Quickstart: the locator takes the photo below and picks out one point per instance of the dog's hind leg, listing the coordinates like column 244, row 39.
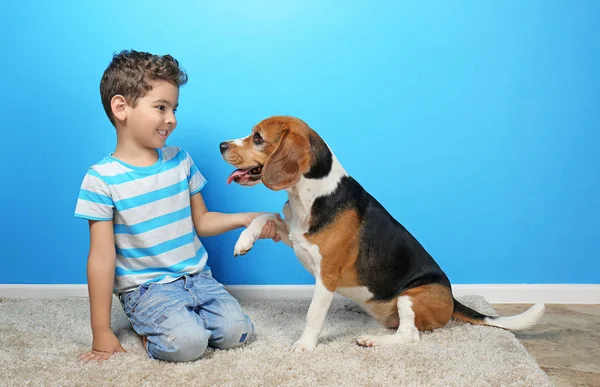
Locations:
column 423, row 308
column 407, row 331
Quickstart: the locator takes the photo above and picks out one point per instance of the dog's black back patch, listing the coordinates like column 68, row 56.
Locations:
column 390, row 260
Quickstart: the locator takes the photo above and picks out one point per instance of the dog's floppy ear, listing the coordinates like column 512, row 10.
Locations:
column 285, row 165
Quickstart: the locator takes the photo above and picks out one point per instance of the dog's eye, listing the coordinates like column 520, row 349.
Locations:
column 257, row 139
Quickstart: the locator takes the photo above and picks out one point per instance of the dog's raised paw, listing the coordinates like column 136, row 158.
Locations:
column 238, row 253
column 244, row 243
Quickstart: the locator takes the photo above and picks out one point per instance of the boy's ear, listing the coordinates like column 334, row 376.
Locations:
column 118, row 105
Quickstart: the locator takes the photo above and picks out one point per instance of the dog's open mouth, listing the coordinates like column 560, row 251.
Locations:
column 247, row 176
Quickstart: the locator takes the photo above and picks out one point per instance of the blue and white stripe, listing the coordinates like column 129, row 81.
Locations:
column 155, row 239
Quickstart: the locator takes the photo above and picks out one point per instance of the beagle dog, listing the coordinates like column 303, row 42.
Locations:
column 347, row 239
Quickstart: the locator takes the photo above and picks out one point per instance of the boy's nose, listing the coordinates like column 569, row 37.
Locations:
column 223, row 146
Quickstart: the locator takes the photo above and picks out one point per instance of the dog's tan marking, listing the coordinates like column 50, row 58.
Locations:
column 244, row 152
column 338, row 244
column 385, row 312
column 432, row 304
column 290, row 159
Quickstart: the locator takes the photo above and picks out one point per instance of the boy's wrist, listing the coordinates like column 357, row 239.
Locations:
column 248, row 217
column 101, row 329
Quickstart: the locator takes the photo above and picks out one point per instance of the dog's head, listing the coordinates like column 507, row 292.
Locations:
column 278, row 152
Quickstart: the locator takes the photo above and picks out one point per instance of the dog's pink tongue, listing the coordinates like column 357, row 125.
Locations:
column 237, row 172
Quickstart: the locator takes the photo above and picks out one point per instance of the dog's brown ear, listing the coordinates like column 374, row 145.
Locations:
column 285, row 165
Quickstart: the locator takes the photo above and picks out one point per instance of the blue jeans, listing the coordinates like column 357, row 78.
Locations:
column 182, row 318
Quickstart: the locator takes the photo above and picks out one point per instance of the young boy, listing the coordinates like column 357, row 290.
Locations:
column 145, row 214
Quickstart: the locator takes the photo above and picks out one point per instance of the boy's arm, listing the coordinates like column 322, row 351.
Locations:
column 213, row 223
column 101, row 271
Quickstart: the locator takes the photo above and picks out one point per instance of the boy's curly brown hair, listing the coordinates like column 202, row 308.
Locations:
column 129, row 72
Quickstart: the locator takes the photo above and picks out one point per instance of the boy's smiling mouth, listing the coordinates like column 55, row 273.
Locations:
column 163, row 133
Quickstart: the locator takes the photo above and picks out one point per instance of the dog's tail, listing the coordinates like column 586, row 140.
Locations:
column 518, row 322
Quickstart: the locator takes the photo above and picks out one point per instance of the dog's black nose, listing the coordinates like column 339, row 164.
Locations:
column 223, row 146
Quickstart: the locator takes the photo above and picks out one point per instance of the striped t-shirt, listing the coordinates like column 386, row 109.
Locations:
column 155, row 238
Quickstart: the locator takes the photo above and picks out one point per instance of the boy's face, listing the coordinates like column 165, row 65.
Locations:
column 152, row 120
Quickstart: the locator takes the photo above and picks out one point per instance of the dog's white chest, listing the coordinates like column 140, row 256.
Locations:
column 308, row 253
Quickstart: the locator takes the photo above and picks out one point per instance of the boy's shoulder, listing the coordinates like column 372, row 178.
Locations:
column 171, row 151
column 103, row 167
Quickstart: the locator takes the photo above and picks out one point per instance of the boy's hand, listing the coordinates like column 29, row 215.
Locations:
column 269, row 231
column 105, row 344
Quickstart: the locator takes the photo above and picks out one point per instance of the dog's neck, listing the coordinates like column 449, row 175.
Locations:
column 308, row 189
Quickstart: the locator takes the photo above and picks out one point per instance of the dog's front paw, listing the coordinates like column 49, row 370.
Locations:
column 244, row 243
column 395, row 339
column 304, row 345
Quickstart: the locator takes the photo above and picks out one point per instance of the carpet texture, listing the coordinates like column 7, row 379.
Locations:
column 41, row 338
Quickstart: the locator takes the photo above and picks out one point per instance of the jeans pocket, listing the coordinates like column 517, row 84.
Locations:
column 132, row 299
column 207, row 273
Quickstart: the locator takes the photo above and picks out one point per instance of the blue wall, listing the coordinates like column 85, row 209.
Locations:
column 475, row 124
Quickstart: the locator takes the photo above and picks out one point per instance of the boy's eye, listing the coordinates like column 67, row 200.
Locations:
column 257, row 139
column 174, row 111
column 160, row 107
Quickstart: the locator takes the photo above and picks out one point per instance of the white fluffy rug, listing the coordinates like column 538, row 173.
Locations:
column 41, row 338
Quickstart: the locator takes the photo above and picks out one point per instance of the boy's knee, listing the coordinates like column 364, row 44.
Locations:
column 235, row 333
column 186, row 343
